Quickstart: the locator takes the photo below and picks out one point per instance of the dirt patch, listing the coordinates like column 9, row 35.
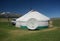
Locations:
column 49, row 29
column 16, row 33
column 20, row 32
column 25, row 32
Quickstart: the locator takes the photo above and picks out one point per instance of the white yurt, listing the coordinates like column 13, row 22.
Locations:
column 32, row 20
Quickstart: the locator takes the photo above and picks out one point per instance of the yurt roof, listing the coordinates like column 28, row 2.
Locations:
column 33, row 14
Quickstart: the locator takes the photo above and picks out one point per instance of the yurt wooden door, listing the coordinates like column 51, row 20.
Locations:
column 32, row 24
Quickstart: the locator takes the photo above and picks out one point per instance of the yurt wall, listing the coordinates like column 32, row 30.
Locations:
column 23, row 24
column 18, row 24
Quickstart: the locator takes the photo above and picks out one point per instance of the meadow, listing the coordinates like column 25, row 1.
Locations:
column 9, row 32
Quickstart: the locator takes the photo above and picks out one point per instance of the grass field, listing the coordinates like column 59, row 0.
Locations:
column 9, row 32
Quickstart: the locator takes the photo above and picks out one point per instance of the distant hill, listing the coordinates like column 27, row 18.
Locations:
column 9, row 15
column 57, row 18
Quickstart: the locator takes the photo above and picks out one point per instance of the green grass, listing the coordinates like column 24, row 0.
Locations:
column 56, row 22
column 41, row 36
column 9, row 32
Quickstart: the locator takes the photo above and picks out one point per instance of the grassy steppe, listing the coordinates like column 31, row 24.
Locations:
column 11, row 33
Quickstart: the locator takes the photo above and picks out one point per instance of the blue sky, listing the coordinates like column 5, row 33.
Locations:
column 50, row 8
